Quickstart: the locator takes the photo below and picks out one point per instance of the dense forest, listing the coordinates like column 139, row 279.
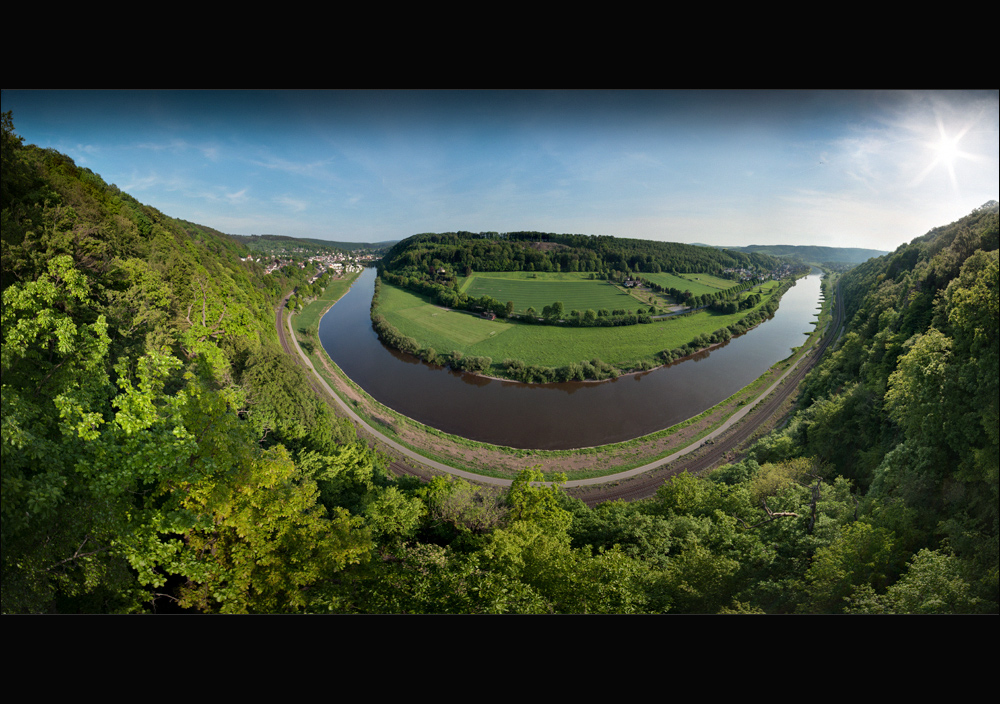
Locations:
column 159, row 451
column 815, row 253
column 461, row 253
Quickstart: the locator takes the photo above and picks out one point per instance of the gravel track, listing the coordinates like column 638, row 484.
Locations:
column 725, row 448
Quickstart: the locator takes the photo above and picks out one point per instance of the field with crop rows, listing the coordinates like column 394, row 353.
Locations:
column 697, row 284
column 554, row 346
column 575, row 294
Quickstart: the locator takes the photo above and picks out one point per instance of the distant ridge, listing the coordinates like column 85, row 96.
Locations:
column 313, row 242
column 813, row 253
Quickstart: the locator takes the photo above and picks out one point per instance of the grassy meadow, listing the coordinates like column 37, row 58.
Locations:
column 547, row 345
column 574, row 290
column 307, row 321
column 697, row 284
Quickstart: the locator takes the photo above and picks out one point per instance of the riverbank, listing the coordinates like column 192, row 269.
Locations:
column 579, row 464
column 307, row 321
column 528, row 353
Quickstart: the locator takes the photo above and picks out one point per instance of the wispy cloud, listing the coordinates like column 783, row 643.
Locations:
column 775, row 167
column 238, row 197
column 142, row 183
column 84, row 153
column 173, row 145
column 293, row 204
column 209, row 151
column 311, row 169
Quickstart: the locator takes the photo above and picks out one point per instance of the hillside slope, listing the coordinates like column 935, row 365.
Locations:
column 909, row 406
column 816, row 253
column 152, row 430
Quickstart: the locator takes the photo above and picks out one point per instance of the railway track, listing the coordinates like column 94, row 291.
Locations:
column 725, row 448
column 397, row 466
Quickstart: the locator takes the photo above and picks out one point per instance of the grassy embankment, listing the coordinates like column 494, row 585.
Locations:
column 307, row 321
column 505, row 462
column 625, row 347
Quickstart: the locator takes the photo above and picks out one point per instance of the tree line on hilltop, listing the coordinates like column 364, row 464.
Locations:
column 464, row 252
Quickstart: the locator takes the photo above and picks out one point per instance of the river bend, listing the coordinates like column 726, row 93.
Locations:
column 559, row 416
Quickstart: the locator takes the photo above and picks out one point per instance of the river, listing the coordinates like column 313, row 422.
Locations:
column 559, row 416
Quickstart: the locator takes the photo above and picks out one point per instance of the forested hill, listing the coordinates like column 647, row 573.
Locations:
column 155, row 440
column 815, row 253
column 538, row 251
column 908, row 409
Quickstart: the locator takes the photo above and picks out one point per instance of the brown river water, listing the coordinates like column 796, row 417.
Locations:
column 559, row 416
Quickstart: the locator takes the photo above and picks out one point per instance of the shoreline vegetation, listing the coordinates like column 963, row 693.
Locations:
column 505, row 462
column 521, row 349
column 540, row 307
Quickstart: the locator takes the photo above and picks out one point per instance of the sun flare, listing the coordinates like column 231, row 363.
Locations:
column 946, row 152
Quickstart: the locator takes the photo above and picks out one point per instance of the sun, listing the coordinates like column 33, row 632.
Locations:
column 946, row 153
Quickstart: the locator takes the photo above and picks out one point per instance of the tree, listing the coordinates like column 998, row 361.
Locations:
column 430, row 579
column 553, row 312
column 242, row 525
column 460, row 506
column 54, row 392
column 861, row 555
column 933, row 584
column 280, row 404
column 536, row 503
column 270, row 547
column 48, row 348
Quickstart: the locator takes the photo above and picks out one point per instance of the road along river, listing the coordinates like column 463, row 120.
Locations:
column 559, row 416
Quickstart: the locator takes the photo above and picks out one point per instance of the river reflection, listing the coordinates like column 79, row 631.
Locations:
column 558, row 416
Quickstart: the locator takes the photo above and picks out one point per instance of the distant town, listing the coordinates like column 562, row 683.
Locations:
column 781, row 272
column 339, row 263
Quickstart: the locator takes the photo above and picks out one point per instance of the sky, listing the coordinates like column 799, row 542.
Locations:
column 870, row 169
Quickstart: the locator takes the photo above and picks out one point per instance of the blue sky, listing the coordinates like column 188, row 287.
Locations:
column 843, row 168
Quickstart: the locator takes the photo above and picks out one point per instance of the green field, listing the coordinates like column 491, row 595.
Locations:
column 709, row 280
column 310, row 316
column 445, row 329
column 528, row 276
column 697, row 284
column 575, row 292
column 552, row 346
